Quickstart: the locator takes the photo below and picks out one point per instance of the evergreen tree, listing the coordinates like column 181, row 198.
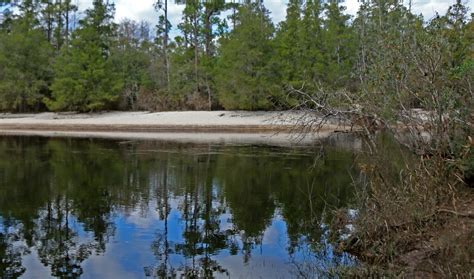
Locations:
column 339, row 47
column 47, row 18
column 85, row 80
column 455, row 31
column 382, row 27
column 162, row 40
column 132, row 57
column 24, row 62
column 244, row 76
column 194, row 59
column 290, row 46
column 186, row 72
column 55, row 17
column 383, row 55
column 211, row 22
column 311, row 38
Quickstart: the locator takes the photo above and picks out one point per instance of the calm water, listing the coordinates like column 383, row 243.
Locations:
column 136, row 209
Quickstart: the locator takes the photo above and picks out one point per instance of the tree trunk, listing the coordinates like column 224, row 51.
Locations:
column 165, row 47
column 196, row 50
column 66, row 36
column 59, row 27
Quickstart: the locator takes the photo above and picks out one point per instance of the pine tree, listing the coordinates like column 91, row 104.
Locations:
column 244, row 74
column 194, row 59
column 131, row 57
column 56, row 21
column 289, row 46
column 24, row 62
column 211, row 21
column 162, row 63
column 47, row 17
column 162, row 40
column 186, row 72
column 339, row 47
column 456, row 22
column 311, row 38
column 85, row 80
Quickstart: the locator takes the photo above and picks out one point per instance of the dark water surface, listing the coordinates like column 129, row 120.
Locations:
column 94, row 208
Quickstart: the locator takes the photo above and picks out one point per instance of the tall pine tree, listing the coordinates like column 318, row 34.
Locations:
column 85, row 80
column 289, row 45
column 25, row 71
column 245, row 77
column 339, row 47
column 311, row 38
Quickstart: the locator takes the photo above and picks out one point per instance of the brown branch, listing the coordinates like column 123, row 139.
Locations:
column 469, row 214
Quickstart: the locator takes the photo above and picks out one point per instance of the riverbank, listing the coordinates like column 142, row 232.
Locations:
column 188, row 125
column 415, row 215
column 202, row 121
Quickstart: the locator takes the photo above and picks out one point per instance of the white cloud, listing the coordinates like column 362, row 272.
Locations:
column 143, row 9
column 277, row 9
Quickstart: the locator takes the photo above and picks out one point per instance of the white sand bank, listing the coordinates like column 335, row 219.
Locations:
column 214, row 126
column 175, row 118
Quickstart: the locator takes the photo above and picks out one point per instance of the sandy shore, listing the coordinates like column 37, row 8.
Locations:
column 196, row 125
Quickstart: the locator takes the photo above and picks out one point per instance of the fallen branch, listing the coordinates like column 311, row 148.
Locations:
column 469, row 214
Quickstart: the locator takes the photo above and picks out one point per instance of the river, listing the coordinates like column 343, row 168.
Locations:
column 96, row 208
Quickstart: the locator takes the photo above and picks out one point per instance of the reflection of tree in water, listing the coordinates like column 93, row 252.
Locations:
column 318, row 259
column 56, row 241
column 308, row 206
column 161, row 246
column 59, row 246
column 62, row 181
column 248, row 185
column 303, row 195
column 55, row 187
column 80, row 196
column 11, row 252
column 19, row 201
column 249, row 188
column 202, row 235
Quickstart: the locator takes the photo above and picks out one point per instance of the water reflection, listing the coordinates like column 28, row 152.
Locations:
column 111, row 209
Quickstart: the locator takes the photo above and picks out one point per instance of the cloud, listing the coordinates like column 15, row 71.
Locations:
column 277, row 9
column 143, row 9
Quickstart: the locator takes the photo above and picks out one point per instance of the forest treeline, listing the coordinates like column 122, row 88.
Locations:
column 49, row 60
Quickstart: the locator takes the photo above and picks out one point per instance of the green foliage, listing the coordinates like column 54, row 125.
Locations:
column 385, row 56
column 315, row 46
column 289, row 46
column 339, row 47
column 85, row 80
column 311, row 38
column 131, row 57
column 192, row 61
column 405, row 64
column 386, row 34
column 25, row 71
column 244, row 75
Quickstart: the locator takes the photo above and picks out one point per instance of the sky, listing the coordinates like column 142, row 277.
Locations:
column 143, row 9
